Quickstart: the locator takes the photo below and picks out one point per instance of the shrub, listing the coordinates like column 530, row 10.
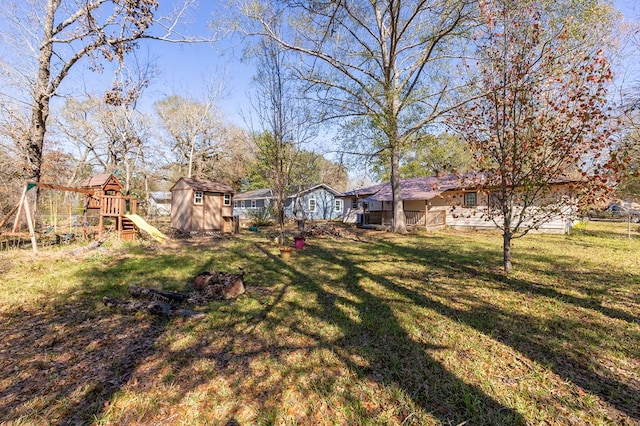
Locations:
column 261, row 217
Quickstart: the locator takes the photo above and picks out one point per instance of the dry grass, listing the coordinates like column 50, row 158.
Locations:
column 419, row 329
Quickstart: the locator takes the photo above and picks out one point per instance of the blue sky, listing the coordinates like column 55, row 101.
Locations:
column 187, row 69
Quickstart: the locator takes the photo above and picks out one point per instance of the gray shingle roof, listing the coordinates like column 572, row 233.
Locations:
column 254, row 194
column 206, row 185
column 425, row 188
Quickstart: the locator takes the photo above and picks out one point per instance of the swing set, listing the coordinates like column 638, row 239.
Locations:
column 102, row 196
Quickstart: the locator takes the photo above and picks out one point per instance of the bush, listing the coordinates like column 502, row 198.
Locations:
column 260, row 217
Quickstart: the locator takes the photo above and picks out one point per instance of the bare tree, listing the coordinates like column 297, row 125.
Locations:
column 56, row 36
column 283, row 122
column 193, row 128
column 379, row 66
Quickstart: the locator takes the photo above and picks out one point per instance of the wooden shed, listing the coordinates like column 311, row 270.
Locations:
column 201, row 205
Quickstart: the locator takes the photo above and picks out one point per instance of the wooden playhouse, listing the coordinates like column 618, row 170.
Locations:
column 106, row 200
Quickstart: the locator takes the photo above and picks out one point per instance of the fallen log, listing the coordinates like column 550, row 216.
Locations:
column 150, row 307
column 161, row 295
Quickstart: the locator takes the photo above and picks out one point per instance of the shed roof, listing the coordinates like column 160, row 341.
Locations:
column 203, row 185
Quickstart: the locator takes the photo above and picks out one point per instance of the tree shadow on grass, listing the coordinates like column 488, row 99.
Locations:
column 67, row 378
column 251, row 352
column 392, row 357
column 62, row 361
column 260, row 357
column 565, row 346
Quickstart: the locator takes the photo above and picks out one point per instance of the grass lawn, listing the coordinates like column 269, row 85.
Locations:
column 419, row 329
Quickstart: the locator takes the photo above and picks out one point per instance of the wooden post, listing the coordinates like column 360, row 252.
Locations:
column 32, row 231
column 16, row 223
column 101, row 226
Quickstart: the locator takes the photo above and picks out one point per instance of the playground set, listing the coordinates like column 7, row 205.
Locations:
column 102, row 199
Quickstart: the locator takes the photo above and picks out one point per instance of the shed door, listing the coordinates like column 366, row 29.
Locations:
column 212, row 211
column 197, row 218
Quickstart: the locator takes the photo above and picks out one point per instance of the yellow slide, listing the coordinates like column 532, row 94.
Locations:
column 151, row 230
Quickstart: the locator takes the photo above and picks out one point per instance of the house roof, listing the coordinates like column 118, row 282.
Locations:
column 311, row 188
column 267, row 193
column 254, row 194
column 204, row 185
column 425, row 188
column 160, row 195
column 363, row 192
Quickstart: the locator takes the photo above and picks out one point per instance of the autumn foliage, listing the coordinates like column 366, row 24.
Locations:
column 543, row 117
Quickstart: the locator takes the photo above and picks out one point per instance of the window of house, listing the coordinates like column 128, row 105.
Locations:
column 338, row 206
column 236, row 204
column 470, row 199
column 354, row 203
column 198, row 197
column 253, row 204
column 227, row 200
column 312, row 205
column 242, row 206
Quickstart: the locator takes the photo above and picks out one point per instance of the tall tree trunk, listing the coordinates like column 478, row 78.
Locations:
column 399, row 222
column 506, row 246
column 34, row 145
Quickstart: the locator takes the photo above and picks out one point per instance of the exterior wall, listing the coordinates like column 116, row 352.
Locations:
column 463, row 218
column 159, row 203
column 208, row 216
column 245, row 212
column 225, row 211
column 181, row 202
column 447, row 210
column 350, row 213
column 159, row 209
column 325, row 206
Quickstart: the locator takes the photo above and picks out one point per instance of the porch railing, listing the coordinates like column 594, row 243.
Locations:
column 385, row 217
column 115, row 205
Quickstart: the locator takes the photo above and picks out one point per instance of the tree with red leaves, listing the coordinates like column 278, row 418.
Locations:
column 541, row 131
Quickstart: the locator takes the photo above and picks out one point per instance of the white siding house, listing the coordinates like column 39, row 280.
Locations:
column 447, row 201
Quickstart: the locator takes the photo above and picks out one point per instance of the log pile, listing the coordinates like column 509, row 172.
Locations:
column 207, row 286
column 324, row 229
column 216, row 286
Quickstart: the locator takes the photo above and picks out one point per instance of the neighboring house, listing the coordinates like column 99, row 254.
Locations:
column 160, row 203
column 201, row 205
column 315, row 202
column 245, row 203
column 436, row 202
column 354, row 205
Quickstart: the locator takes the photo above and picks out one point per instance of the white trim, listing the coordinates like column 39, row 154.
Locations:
column 198, row 198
